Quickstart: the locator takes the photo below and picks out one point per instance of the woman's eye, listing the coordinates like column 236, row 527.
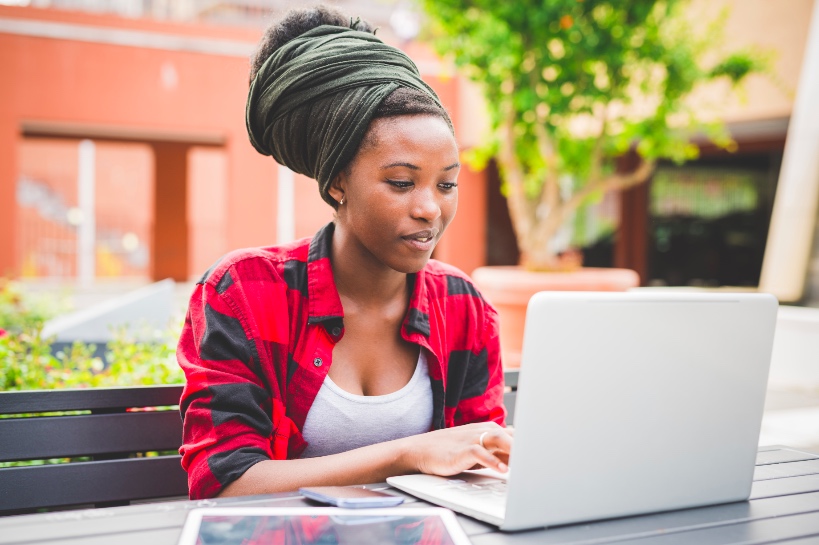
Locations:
column 447, row 186
column 399, row 184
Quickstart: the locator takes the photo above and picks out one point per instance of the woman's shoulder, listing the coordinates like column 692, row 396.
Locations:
column 462, row 311
column 255, row 263
column 449, row 280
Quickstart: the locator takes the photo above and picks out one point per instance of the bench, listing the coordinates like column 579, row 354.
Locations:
column 110, row 437
column 107, row 441
column 510, row 377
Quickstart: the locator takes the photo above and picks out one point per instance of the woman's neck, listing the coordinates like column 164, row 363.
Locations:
column 359, row 276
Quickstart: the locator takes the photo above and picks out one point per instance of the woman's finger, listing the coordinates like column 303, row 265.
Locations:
column 487, row 459
column 498, row 441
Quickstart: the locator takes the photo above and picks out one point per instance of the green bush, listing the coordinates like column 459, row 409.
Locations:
column 20, row 311
column 27, row 361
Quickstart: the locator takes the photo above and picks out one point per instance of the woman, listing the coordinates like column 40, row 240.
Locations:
column 328, row 361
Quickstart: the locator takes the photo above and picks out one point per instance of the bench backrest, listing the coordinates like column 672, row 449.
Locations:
column 112, row 434
column 117, row 427
column 510, row 377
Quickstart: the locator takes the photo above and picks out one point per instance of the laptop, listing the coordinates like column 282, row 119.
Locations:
column 628, row 403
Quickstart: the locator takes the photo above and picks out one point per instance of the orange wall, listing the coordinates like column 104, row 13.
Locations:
column 164, row 93
column 8, row 209
column 464, row 242
column 207, row 207
column 66, row 81
column 311, row 211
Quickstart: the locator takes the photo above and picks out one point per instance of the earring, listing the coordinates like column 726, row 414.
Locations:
column 341, row 201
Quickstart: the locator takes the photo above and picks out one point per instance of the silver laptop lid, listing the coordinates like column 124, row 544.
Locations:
column 637, row 402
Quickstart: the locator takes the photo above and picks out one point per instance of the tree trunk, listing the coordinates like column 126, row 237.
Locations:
column 537, row 220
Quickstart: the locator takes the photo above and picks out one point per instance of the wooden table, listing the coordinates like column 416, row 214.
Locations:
column 784, row 508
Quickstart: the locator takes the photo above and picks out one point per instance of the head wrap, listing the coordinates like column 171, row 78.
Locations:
column 312, row 100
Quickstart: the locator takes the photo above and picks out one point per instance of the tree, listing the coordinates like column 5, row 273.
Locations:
column 571, row 85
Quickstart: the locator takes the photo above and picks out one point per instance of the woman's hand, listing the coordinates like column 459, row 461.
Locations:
column 452, row 450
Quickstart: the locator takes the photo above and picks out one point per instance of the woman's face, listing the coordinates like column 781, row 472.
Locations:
column 400, row 192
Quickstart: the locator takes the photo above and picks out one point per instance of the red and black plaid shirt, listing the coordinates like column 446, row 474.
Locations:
column 258, row 343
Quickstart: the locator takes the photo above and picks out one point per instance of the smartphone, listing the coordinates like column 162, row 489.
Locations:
column 350, row 497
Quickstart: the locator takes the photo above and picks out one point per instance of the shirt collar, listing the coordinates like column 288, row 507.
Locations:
column 324, row 304
column 417, row 318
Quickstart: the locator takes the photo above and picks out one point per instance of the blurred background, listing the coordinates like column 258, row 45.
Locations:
column 124, row 160
column 168, row 181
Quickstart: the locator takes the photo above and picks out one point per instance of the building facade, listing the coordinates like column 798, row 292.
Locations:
column 123, row 149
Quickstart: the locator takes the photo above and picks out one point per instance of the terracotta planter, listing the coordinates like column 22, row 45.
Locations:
column 510, row 288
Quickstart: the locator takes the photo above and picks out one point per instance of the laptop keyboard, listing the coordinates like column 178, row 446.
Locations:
column 494, row 488
column 470, row 493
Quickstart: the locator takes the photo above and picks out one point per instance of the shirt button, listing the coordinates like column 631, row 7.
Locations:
column 336, row 331
column 317, row 362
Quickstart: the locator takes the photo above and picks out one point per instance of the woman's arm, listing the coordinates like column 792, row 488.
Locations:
column 233, row 398
column 441, row 452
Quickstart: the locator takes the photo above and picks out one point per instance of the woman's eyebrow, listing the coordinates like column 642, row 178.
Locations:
column 399, row 164
column 416, row 167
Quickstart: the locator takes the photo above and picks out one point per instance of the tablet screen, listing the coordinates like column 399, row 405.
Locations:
column 340, row 527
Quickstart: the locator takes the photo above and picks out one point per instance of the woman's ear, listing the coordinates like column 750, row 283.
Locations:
column 338, row 186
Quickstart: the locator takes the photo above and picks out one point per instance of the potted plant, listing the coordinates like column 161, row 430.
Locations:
column 570, row 87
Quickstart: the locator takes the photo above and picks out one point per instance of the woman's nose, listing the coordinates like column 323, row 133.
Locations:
column 426, row 205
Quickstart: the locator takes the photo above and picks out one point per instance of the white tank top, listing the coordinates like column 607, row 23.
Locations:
column 339, row 421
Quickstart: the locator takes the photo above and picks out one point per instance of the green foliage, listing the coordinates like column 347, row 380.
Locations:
column 135, row 363
column 577, row 83
column 27, row 361
column 24, row 312
column 735, row 67
column 558, row 63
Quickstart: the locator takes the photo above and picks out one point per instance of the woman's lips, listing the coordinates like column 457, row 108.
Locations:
column 422, row 241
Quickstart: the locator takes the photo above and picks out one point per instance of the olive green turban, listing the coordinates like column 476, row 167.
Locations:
column 312, row 100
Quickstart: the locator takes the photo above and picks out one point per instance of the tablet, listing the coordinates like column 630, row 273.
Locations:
column 321, row 525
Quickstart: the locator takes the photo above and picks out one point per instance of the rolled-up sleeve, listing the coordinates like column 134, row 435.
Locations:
column 233, row 417
column 481, row 397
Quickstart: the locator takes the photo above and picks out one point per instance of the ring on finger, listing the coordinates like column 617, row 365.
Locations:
column 480, row 441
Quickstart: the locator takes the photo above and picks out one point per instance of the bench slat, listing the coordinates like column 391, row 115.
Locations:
column 509, row 402
column 88, row 435
column 510, row 378
column 70, row 484
column 109, row 432
column 89, row 398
